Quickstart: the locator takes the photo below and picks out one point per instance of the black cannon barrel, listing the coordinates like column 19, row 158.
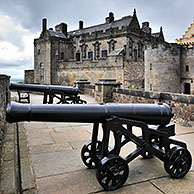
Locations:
column 44, row 88
column 159, row 114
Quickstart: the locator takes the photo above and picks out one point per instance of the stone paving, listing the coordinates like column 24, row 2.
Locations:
column 56, row 166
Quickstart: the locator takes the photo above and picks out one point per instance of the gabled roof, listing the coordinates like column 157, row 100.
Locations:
column 125, row 21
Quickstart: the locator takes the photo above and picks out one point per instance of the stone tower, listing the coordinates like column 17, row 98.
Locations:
column 162, row 68
column 49, row 48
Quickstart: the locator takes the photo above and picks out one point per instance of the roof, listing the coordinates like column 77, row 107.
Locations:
column 125, row 21
column 156, row 34
column 56, row 34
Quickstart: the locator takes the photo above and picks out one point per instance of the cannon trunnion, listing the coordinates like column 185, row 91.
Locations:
column 122, row 120
column 65, row 94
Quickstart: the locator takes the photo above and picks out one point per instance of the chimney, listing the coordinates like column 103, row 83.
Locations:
column 146, row 28
column 81, row 25
column 110, row 18
column 44, row 25
column 64, row 28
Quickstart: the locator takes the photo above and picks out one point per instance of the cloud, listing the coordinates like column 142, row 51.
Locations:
column 16, row 46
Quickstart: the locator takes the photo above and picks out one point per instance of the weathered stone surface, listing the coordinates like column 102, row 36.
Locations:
column 81, row 182
column 50, row 148
column 143, row 188
column 40, row 138
column 180, row 103
column 7, row 178
column 71, row 135
column 54, row 163
column 28, row 181
column 143, row 170
column 171, row 186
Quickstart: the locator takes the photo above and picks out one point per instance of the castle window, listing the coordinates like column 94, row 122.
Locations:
column 90, row 55
column 150, row 87
column 42, row 72
column 62, row 55
column 38, row 51
column 78, row 56
column 150, row 66
column 96, row 49
column 111, row 45
column 104, row 53
column 84, row 50
column 135, row 55
column 56, row 52
column 187, row 68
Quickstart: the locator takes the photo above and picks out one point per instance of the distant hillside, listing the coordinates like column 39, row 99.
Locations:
column 17, row 80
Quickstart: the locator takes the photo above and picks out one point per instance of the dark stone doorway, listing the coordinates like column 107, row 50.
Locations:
column 187, row 88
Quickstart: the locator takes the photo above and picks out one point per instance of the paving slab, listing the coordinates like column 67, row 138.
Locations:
column 50, row 148
column 79, row 182
column 145, row 169
column 53, row 163
column 40, row 138
column 28, row 179
column 179, row 186
column 139, row 188
column 179, row 129
column 35, row 125
column 69, row 135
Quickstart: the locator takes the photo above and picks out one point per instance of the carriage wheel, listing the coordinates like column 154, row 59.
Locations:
column 86, row 154
column 178, row 162
column 112, row 172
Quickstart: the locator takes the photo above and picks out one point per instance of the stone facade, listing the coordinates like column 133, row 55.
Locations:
column 114, row 49
column 29, row 76
column 181, row 104
column 169, row 68
column 4, row 99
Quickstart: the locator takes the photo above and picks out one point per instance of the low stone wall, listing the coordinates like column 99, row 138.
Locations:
column 181, row 104
column 89, row 90
column 4, row 99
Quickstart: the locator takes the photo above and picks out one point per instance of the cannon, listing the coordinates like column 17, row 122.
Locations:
column 65, row 94
column 111, row 169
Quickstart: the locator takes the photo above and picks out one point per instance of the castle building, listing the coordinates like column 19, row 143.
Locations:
column 169, row 67
column 188, row 37
column 114, row 49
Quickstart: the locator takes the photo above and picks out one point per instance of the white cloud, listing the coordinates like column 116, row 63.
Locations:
column 16, row 46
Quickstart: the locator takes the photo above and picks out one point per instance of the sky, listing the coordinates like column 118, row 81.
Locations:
column 20, row 22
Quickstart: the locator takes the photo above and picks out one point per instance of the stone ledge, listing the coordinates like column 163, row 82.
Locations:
column 183, row 98
column 8, row 168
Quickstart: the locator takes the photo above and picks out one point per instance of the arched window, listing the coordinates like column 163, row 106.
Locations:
column 77, row 56
column 62, row 55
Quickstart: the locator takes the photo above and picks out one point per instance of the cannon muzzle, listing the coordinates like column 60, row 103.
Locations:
column 159, row 114
column 45, row 88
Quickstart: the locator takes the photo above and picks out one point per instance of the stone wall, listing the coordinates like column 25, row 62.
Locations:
column 29, row 76
column 89, row 90
column 4, row 99
column 187, row 68
column 42, row 61
column 110, row 67
column 162, row 68
column 181, row 104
